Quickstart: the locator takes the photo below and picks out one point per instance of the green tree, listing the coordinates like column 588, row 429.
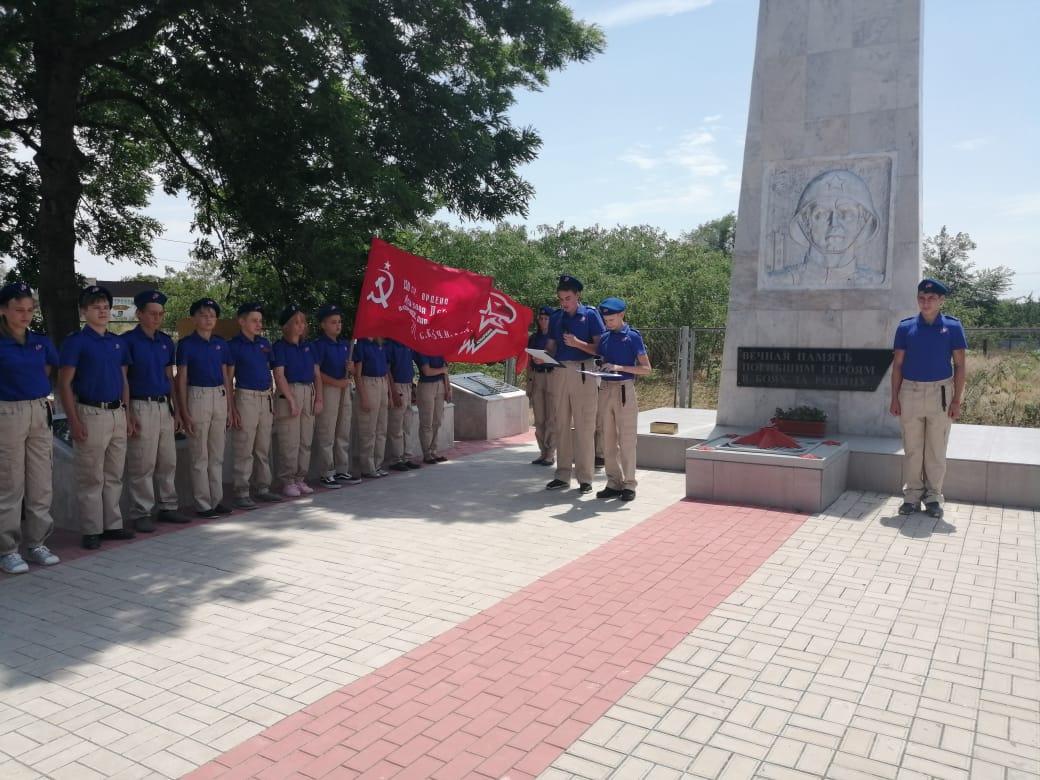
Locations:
column 298, row 129
column 718, row 234
column 974, row 293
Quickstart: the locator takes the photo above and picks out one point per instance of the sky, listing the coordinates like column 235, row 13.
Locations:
column 652, row 130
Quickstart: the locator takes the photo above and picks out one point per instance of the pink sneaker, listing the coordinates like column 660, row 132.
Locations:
column 291, row 490
column 304, row 488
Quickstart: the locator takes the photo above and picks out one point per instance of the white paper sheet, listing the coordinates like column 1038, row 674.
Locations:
column 542, row 355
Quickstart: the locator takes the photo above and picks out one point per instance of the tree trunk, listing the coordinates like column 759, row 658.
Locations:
column 59, row 161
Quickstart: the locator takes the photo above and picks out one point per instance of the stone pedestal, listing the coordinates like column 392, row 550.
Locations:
column 827, row 248
column 487, row 408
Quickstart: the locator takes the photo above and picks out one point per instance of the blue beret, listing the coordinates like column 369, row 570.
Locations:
column 201, row 302
column 933, row 286
column 568, row 282
column 14, row 290
column 288, row 312
column 546, row 310
column 250, row 307
column 327, row 310
column 93, row 290
column 612, row 306
column 145, row 297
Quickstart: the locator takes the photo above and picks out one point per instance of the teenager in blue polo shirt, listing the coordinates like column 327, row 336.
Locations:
column 94, row 394
column 252, row 409
column 151, row 452
column 204, row 391
column 399, row 413
column 433, row 391
column 541, row 389
column 574, row 334
column 372, row 380
column 928, row 375
column 332, row 427
column 300, row 398
column 623, row 353
column 26, row 361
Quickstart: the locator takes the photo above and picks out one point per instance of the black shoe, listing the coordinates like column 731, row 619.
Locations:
column 398, row 467
column 144, row 525
column 909, row 507
column 91, row 541
column 934, row 509
column 330, row 483
column 117, row 534
column 172, row 516
column 600, row 463
column 209, row 514
column 411, row 464
column 608, row 492
column 220, row 509
column 429, row 460
column 557, row 484
column 585, row 487
column 539, row 461
column 628, row 494
column 439, row 458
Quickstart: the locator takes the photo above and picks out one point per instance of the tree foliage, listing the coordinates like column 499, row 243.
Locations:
column 974, row 293
column 298, row 129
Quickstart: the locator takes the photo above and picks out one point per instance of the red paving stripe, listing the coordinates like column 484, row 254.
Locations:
column 66, row 544
column 511, row 688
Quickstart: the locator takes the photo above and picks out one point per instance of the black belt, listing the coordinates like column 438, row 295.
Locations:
column 159, row 399
column 100, row 404
column 210, row 387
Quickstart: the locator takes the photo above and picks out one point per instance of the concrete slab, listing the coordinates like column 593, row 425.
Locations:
column 668, row 451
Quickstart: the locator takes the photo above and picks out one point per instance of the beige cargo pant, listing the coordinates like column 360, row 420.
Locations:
column 926, row 431
column 576, row 402
column 618, row 416
column 293, row 435
column 372, row 424
column 25, row 474
column 98, row 463
column 543, row 403
column 151, row 460
column 252, row 442
column 430, row 396
column 332, row 431
column 207, row 407
column 397, row 419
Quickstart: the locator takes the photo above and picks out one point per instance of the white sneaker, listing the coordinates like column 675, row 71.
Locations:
column 13, row 563
column 383, row 472
column 304, row 488
column 42, row 556
column 291, row 490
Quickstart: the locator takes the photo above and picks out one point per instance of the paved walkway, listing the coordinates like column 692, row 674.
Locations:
column 460, row 621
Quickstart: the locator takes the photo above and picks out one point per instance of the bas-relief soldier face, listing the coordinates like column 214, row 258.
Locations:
column 832, row 226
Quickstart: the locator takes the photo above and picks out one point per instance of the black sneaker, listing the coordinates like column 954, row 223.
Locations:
column 411, row 464
column 608, row 492
column 399, row 466
column 208, row 514
column 330, row 483
column 144, row 525
column 220, row 509
column 350, row 479
column 172, row 516
column 538, row 461
column 909, row 507
column 628, row 494
column 585, row 487
column 439, row 458
column 557, row 484
column 117, row 534
column 91, row 541
column 934, row 509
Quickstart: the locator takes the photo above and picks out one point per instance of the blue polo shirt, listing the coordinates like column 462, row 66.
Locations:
column 399, row 357
column 585, row 323
column 331, row 356
column 23, row 367
column 149, row 358
column 433, row 362
column 623, row 347
column 252, row 361
column 98, row 359
column 204, row 359
column 539, row 340
column 297, row 360
column 929, row 348
column 371, row 356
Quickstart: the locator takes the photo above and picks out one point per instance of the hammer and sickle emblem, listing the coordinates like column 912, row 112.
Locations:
column 385, row 284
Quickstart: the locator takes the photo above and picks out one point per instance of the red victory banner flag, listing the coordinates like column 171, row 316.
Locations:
column 419, row 303
column 501, row 333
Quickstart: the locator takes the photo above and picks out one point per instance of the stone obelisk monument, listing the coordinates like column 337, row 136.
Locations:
column 827, row 252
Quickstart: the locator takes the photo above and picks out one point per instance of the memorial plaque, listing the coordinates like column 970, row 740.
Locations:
column 482, row 384
column 805, row 368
